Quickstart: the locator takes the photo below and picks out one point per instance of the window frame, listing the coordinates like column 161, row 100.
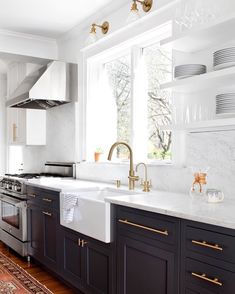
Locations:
column 136, row 49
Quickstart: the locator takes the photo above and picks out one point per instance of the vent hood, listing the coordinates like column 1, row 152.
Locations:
column 45, row 88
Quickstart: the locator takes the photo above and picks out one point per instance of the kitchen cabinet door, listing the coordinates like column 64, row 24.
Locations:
column 35, row 231
column 50, row 221
column 72, row 258
column 144, row 268
column 99, row 267
column 26, row 126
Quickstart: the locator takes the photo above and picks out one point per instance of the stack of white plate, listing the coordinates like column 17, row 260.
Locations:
column 224, row 58
column 225, row 103
column 188, row 70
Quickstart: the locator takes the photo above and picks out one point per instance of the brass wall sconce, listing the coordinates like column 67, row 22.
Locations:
column 134, row 13
column 104, row 27
column 92, row 35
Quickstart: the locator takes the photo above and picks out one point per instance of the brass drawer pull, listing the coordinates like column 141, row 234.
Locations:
column 205, row 278
column 47, row 200
column 47, row 213
column 32, row 195
column 205, row 244
column 126, row 222
column 81, row 243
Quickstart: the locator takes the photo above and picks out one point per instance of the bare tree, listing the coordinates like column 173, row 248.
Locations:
column 158, row 64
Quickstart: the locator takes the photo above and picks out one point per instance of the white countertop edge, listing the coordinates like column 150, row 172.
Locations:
column 202, row 219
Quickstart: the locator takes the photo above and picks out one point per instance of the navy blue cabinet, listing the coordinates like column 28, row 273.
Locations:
column 43, row 226
column 152, row 253
column 147, row 252
column 208, row 259
column 87, row 264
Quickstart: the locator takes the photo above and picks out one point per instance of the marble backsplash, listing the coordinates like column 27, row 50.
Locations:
column 215, row 150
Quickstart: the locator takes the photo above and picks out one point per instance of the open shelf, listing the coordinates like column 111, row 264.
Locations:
column 131, row 26
column 217, row 32
column 219, row 78
column 204, row 126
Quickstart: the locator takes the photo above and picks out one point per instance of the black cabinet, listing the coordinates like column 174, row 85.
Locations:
column 72, row 257
column 43, row 226
column 86, row 263
column 147, row 253
column 208, row 259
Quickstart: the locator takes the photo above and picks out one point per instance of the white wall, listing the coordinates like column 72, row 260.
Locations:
column 3, row 91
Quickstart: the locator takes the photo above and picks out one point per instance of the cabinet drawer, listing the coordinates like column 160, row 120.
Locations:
column 209, row 277
column 209, row 243
column 43, row 197
column 151, row 225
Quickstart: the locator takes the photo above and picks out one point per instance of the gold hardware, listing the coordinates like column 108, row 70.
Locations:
column 205, row 244
column 118, row 183
column 200, row 179
column 47, row 213
column 126, row 222
column 81, row 243
column 146, row 5
column 14, row 128
column 47, row 200
column 104, row 28
column 32, row 195
column 146, row 184
column 132, row 178
column 205, row 278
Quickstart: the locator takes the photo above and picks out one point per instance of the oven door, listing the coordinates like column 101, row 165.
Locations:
column 13, row 216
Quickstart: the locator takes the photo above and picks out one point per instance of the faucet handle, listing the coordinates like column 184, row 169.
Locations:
column 118, row 183
column 146, row 185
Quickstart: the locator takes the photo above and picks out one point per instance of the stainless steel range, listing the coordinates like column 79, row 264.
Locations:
column 13, row 203
column 13, row 213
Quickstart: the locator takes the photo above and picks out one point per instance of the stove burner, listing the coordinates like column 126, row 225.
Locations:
column 29, row 176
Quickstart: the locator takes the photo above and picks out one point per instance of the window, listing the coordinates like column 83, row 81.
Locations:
column 118, row 73
column 125, row 102
column 159, row 70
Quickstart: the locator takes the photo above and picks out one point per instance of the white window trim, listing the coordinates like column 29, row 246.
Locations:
column 137, row 44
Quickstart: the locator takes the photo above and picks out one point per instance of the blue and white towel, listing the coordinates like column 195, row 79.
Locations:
column 70, row 202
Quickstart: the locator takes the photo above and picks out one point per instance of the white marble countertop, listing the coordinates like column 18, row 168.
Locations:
column 167, row 203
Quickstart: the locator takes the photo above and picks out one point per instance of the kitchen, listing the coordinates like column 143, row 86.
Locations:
column 117, row 149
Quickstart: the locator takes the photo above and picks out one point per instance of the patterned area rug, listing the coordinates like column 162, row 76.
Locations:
column 15, row 280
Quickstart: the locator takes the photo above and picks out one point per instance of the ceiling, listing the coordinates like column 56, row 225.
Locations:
column 49, row 18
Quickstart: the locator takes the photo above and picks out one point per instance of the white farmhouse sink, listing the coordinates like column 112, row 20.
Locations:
column 92, row 215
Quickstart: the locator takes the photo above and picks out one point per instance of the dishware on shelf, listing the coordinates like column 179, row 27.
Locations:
column 214, row 196
column 224, row 58
column 188, row 70
column 225, row 104
column 191, row 13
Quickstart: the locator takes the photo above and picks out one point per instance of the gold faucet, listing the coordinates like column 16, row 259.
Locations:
column 132, row 178
column 146, row 183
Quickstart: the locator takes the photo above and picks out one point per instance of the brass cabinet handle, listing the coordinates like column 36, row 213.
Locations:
column 47, row 213
column 205, row 278
column 32, row 195
column 14, row 127
column 126, row 222
column 81, row 243
column 205, row 244
column 47, row 200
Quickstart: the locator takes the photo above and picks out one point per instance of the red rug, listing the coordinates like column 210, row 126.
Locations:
column 15, row 280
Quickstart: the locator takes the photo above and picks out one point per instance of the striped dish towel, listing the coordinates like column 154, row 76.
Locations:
column 70, row 202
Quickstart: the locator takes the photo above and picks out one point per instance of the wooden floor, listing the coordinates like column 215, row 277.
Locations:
column 52, row 283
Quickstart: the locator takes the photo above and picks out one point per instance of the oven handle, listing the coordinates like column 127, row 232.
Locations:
column 9, row 199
